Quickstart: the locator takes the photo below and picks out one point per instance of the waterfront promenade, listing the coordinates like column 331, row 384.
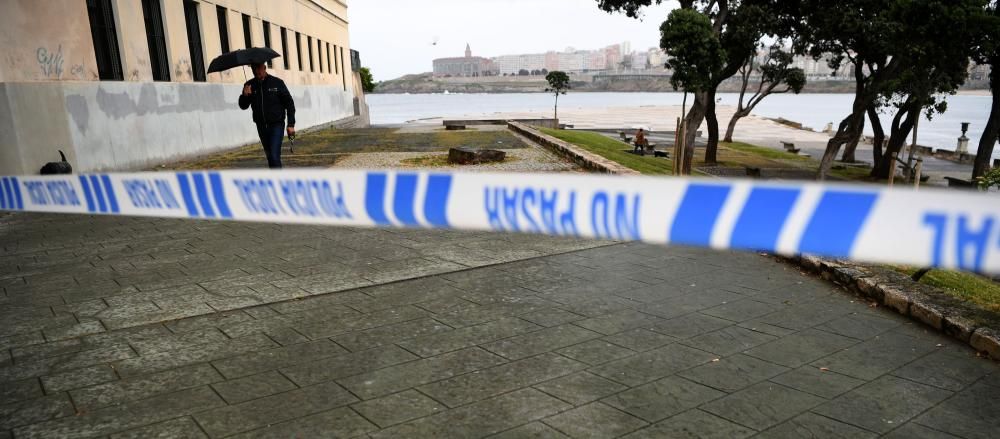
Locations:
column 115, row 327
column 752, row 129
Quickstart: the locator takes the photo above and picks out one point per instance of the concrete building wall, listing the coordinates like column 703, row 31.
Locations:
column 46, row 41
column 51, row 97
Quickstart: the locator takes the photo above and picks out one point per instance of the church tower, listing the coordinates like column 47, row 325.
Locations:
column 468, row 50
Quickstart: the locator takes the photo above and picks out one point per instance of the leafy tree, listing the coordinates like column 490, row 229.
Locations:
column 558, row 84
column 523, row 72
column 902, row 53
column 695, row 55
column 934, row 71
column 707, row 42
column 988, row 52
column 367, row 81
column 989, row 179
column 775, row 70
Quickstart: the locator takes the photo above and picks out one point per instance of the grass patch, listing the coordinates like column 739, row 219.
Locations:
column 613, row 150
column 850, row 173
column 853, row 173
column 965, row 286
column 729, row 155
column 440, row 160
column 761, row 151
column 427, row 161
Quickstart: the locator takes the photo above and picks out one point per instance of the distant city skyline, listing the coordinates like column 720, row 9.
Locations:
column 571, row 59
column 399, row 37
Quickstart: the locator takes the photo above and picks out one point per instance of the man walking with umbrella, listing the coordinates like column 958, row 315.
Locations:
column 269, row 99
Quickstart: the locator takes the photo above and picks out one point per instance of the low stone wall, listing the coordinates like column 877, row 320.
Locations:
column 545, row 123
column 978, row 328
column 586, row 159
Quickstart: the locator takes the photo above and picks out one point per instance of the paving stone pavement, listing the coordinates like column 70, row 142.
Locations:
column 125, row 328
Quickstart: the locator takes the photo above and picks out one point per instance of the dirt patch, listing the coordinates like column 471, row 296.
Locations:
column 325, row 148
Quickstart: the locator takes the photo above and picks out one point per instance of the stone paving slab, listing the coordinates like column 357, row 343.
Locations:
column 578, row 340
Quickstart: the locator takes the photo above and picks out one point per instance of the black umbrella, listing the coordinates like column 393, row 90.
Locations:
column 242, row 57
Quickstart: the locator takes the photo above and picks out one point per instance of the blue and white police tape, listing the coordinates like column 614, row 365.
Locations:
column 945, row 229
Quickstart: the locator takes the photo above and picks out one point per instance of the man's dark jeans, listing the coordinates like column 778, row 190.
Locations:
column 270, row 136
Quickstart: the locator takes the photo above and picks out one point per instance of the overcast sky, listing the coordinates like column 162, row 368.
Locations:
column 395, row 36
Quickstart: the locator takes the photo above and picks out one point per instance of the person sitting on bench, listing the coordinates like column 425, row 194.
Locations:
column 641, row 142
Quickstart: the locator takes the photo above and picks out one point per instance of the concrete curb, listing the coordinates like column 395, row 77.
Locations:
column 978, row 328
column 586, row 159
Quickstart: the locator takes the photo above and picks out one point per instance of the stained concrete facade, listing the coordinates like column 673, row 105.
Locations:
column 52, row 97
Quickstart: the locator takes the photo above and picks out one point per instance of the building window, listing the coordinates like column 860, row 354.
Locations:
column 247, row 39
column 157, row 40
column 312, row 68
column 284, row 47
column 102, row 28
column 342, row 67
column 223, row 27
column 336, row 67
column 319, row 54
column 267, row 41
column 194, row 40
column 329, row 64
column 298, row 49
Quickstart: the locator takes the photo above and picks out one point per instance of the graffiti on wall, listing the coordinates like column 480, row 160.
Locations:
column 51, row 63
column 182, row 70
column 78, row 71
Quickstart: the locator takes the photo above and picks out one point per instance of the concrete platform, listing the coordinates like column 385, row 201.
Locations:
column 161, row 328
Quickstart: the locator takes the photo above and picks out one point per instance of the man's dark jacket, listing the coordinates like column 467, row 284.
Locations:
column 270, row 100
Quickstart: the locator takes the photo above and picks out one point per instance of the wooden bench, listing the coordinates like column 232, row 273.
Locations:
column 625, row 138
column 454, row 127
column 790, row 147
column 650, row 147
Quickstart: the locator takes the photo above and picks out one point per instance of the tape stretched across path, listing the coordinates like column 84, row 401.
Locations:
column 945, row 229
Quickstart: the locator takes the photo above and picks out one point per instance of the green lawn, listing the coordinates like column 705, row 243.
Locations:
column 768, row 153
column 729, row 154
column 614, row 150
column 966, row 286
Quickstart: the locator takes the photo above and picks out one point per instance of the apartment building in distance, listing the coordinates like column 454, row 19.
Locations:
column 121, row 84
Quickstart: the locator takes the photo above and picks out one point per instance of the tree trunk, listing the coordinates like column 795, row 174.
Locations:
column 847, row 130
column 732, row 124
column 694, row 118
column 852, row 146
column 557, row 107
column 878, row 140
column 984, row 155
column 901, row 128
column 712, row 148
